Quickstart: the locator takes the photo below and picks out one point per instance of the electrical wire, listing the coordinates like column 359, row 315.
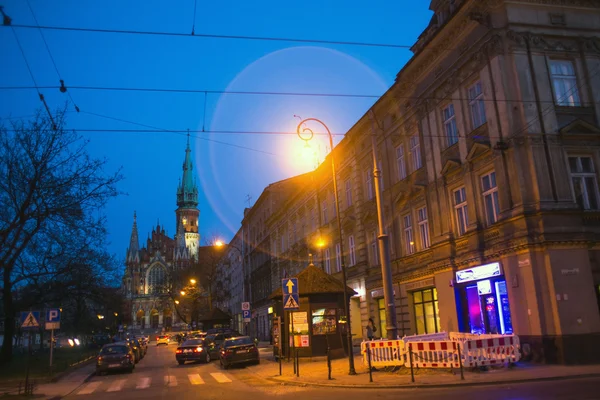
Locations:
column 62, row 87
column 194, row 21
column 216, row 36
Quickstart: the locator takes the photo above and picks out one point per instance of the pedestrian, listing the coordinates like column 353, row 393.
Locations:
column 371, row 329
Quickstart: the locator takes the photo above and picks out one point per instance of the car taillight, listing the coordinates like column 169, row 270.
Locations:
column 178, row 351
column 198, row 349
column 99, row 358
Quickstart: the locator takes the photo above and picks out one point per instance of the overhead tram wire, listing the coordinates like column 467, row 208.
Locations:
column 62, row 87
column 266, row 93
column 216, row 36
column 40, row 95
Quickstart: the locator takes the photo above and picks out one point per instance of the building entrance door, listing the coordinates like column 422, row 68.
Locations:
column 487, row 307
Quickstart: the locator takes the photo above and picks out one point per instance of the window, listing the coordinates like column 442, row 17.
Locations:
column 585, row 184
column 323, row 321
column 348, row 186
column 490, row 197
column 369, row 184
column 450, row 125
column 409, row 244
column 460, row 209
column 324, row 211
column 382, row 319
column 564, row 83
column 427, row 312
column 374, row 252
column 333, row 205
column 157, row 280
column 415, row 152
column 338, row 257
column 400, row 165
column 352, row 251
column 423, row 227
column 476, row 105
column 313, row 220
column 328, row 261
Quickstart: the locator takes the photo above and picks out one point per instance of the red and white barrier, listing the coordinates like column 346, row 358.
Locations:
column 427, row 337
column 492, row 351
column 439, row 354
column 384, row 353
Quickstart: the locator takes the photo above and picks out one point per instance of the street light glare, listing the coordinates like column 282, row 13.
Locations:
column 182, row 293
column 193, row 281
column 176, row 301
column 219, row 243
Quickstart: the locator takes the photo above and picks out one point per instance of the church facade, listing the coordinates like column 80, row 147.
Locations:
column 151, row 271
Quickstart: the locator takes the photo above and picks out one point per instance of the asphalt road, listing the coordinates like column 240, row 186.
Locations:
column 158, row 376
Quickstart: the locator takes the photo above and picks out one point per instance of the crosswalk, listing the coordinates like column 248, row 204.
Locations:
column 146, row 382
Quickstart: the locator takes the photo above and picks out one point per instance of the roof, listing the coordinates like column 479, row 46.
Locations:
column 313, row 280
column 216, row 314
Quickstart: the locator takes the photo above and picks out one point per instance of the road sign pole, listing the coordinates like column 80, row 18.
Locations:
column 51, row 348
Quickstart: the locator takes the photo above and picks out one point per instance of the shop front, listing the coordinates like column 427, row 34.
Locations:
column 482, row 297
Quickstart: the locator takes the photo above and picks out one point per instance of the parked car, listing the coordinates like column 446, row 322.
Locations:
column 238, row 350
column 115, row 356
column 139, row 345
column 196, row 350
column 162, row 339
column 134, row 348
column 219, row 338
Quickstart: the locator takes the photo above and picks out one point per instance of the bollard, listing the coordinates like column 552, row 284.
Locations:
column 328, row 364
column 298, row 363
column 369, row 360
column 462, row 375
column 279, row 363
column 412, row 372
column 294, row 359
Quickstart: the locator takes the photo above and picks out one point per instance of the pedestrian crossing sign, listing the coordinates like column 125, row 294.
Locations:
column 290, row 301
column 30, row 319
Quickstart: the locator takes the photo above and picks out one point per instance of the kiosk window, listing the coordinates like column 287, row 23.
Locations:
column 323, row 321
column 427, row 315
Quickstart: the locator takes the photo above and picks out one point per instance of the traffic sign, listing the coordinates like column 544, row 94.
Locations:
column 291, row 301
column 246, row 315
column 245, row 306
column 52, row 319
column 290, row 285
column 30, row 319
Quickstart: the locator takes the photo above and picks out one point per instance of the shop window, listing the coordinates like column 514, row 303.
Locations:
column 450, row 125
column 460, row 209
column 382, row 319
column 564, row 83
column 585, row 185
column 490, row 197
column 324, row 321
column 427, row 314
column 476, row 105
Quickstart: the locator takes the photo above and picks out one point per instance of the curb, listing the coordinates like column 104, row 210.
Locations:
column 374, row 385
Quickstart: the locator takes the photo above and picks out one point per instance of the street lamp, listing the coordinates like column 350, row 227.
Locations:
column 100, row 316
column 300, row 130
column 182, row 293
column 193, row 281
column 176, row 301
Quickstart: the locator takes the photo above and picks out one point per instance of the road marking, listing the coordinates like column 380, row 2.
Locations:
column 90, row 387
column 143, row 383
column 170, row 380
column 116, row 385
column 195, row 379
column 220, row 377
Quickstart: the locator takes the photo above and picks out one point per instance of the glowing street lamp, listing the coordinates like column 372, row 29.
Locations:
column 176, row 301
column 193, row 281
column 219, row 243
column 100, row 316
column 182, row 293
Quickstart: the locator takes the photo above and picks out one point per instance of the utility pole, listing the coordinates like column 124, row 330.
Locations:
column 384, row 243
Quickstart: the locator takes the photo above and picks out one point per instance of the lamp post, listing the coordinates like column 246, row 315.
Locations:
column 384, row 245
column 300, row 130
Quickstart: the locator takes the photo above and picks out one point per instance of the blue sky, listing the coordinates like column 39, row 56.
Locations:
column 229, row 166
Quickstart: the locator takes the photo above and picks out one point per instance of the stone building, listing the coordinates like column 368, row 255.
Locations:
column 150, row 271
column 489, row 146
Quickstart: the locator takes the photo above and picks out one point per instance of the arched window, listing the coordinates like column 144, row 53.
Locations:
column 157, row 280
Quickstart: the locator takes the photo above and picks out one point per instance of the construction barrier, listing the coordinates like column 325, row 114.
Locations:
column 438, row 354
column 427, row 337
column 493, row 351
column 384, row 353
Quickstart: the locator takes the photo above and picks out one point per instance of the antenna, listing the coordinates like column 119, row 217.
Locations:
column 248, row 199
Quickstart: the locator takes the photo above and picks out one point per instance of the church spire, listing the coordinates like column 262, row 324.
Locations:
column 134, row 246
column 187, row 192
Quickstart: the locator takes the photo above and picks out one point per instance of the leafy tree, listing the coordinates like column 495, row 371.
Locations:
column 51, row 194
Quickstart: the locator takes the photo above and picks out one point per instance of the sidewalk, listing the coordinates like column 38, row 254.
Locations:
column 315, row 374
column 67, row 383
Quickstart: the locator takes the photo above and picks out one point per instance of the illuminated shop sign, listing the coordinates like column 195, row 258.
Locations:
column 477, row 273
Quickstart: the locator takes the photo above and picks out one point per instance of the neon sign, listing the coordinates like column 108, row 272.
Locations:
column 477, row 273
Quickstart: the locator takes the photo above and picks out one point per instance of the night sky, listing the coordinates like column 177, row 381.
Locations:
column 232, row 160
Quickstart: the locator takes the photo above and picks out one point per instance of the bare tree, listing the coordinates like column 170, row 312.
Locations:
column 51, row 194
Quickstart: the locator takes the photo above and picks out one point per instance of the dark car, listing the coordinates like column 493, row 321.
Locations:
column 196, row 350
column 143, row 349
column 137, row 351
column 219, row 338
column 238, row 350
column 114, row 357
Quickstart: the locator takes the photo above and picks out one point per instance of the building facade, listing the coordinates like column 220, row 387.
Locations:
column 489, row 150
column 150, row 271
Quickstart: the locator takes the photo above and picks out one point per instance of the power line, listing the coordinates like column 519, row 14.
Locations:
column 216, row 36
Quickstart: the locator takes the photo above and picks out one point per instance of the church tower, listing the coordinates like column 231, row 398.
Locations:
column 187, row 213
